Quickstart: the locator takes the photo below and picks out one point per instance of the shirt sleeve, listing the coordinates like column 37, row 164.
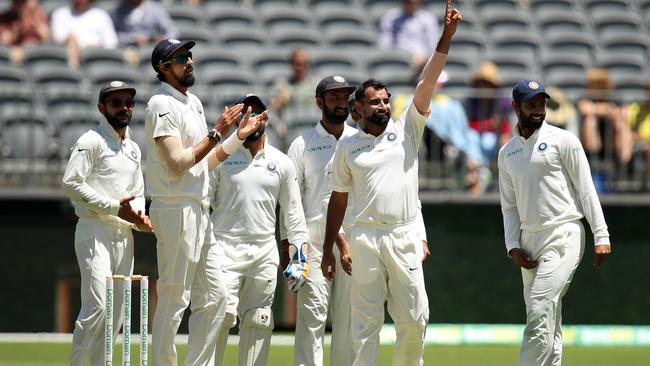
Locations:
column 166, row 24
column 577, row 166
column 419, row 222
column 59, row 25
column 511, row 220
column 413, row 123
column 341, row 173
column 293, row 216
column 80, row 166
column 163, row 119
column 295, row 154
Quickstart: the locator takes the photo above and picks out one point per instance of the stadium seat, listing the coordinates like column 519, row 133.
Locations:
column 394, row 79
column 243, row 37
column 228, row 17
column 380, row 61
column 104, row 75
column 72, row 124
column 352, row 38
column 224, row 79
column 502, row 20
column 621, row 63
column 297, row 37
column 10, row 74
column 627, row 43
column 61, row 101
column 44, row 55
column 270, row 65
column 102, row 57
column 517, row 42
column 565, row 62
column 555, row 6
column 339, row 18
column 469, row 42
column 460, row 63
column 554, row 22
column 606, row 6
column 186, row 16
column 209, row 57
column 609, row 23
column 509, row 78
column 574, row 42
column 331, row 61
column 57, row 76
column 26, row 136
column 283, row 17
column 488, row 5
column 523, row 62
column 199, row 34
column 5, row 58
column 573, row 84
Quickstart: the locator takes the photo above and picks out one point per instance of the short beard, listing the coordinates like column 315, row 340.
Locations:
column 116, row 122
column 527, row 123
column 333, row 117
column 380, row 121
column 187, row 82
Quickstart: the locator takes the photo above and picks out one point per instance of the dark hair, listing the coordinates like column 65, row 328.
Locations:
column 360, row 93
column 160, row 76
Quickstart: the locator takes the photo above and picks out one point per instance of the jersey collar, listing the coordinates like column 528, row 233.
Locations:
column 110, row 131
column 183, row 98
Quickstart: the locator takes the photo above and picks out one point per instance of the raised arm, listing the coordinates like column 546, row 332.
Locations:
column 435, row 64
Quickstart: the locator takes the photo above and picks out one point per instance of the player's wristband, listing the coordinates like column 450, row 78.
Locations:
column 232, row 143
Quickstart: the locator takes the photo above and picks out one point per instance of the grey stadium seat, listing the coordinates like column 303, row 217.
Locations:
column 352, row 38
column 517, row 42
column 185, row 16
column 545, row 6
column 331, row 62
column 296, row 37
column 573, row 84
column 379, row 60
column 243, row 37
column 4, row 55
column 72, row 125
column 44, row 55
column 283, row 17
column 620, row 63
column 102, row 57
column 523, row 62
column 562, row 21
column 229, row 17
column 608, row 23
column 564, row 62
column 26, row 136
column 270, row 65
column 11, row 75
column 627, row 43
column 575, row 42
column 506, row 21
column 209, row 57
column 108, row 74
column 488, row 5
column 606, row 6
column 198, row 34
column 469, row 41
column 340, row 17
column 224, row 79
column 58, row 76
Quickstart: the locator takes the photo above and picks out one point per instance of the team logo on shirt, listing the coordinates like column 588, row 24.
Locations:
column 135, row 156
column 391, row 136
column 271, row 167
column 542, row 147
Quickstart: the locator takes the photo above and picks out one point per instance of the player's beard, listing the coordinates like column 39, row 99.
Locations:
column 185, row 79
column 530, row 123
column 336, row 116
column 120, row 120
column 378, row 120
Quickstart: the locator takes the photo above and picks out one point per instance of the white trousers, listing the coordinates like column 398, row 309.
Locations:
column 189, row 272
column 387, row 266
column 102, row 250
column 544, row 286
column 315, row 298
column 250, row 272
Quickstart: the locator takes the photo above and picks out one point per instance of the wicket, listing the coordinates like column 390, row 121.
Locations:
column 126, row 327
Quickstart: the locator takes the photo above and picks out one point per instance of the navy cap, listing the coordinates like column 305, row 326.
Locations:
column 166, row 48
column 527, row 89
column 251, row 99
column 332, row 83
column 114, row 86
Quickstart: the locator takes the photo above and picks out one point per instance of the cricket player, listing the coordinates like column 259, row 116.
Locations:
column 378, row 167
column 248, row 187
column 311, row 154
column 180, row 151
column 103, row 180
column 546, row 188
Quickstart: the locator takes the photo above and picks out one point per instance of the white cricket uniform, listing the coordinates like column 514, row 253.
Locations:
column 385, row 243
column 546, row 188
column 102, row 169
column 247, row 191
column 312, row 154
column 188, row 269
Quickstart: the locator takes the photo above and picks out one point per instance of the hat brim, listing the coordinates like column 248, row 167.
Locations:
column 252, row 99
column 533, row 95
column 187, row 45
column 351, row 89
column 119, row 88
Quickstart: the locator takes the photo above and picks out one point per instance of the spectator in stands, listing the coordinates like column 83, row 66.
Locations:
column 637, row 116
column 23, row 24
column 447, row 136
column 411, row 29
column 142, row 22
column 296, row 92
column 81, row 25
column 606, row 137
column 488, row 112
column 560, row 112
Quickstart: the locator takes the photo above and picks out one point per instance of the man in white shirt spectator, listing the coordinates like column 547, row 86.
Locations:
column 81, row 25
column 140, row 22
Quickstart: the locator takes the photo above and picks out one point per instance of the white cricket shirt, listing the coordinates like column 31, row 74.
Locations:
column 312, row 154
column 102, row 169
column 247, row 189
column 545, row 181
column 382, row 172
column 171, row 113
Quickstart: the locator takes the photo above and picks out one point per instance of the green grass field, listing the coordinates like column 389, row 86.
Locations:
column 53, row 354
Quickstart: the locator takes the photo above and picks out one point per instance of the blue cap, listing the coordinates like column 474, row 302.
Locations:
column 166, row 48
column 250, row 100
column 527, row 89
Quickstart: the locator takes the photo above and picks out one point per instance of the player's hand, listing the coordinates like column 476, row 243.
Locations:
column 425, row 250
column 284, row 253
column 328, row 264
column 146, row 223
column 249, row 125
column 298, row 269
column 344, row 250
column 228, row 118
column 452, row 18
column 138, row 218
column 522, row 259
column 600, row 253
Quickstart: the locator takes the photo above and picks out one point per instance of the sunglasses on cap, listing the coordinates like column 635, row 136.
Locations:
column 180, row 59
column 120, row 103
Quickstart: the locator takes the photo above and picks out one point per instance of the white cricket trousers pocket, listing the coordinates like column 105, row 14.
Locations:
column 544, row 287
column 188, row 271
column 315, row 298
column 102, row 250
column 387, row 266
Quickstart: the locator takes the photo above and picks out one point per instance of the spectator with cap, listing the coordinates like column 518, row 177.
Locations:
column 104, row 181
column 141, row 22
column 545, row 189
column 410, row 29
column 23, row 24
column 81, row 25
column 604, row 132
column 180, row 153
